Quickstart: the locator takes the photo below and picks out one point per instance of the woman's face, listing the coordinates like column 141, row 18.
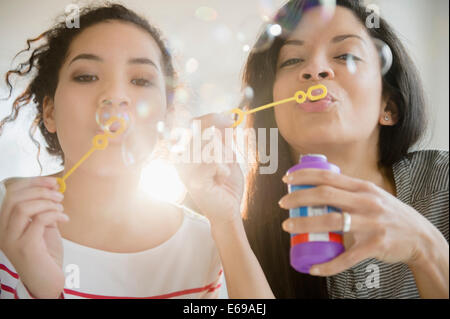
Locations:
column 316, row 53
column 113, row 61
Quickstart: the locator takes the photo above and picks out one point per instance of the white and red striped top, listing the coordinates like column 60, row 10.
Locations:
column 185, row 266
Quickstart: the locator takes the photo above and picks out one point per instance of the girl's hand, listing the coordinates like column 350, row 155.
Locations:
column 382, row 226
column 216, row 188
column 29, row 235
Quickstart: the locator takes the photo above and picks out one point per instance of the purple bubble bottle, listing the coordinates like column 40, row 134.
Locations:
column 313, row 248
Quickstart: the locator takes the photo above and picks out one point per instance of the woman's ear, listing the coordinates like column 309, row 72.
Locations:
column 388, row 113
column 48, row 114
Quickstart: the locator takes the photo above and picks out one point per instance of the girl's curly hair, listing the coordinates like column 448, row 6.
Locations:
column 47, row 59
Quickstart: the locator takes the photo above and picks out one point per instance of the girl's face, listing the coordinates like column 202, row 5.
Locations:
column 113, row 61
column 316, row 53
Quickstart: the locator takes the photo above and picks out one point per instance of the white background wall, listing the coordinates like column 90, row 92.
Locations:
column 422, row 25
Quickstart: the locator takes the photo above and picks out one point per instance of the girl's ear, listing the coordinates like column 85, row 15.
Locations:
column 48, row 114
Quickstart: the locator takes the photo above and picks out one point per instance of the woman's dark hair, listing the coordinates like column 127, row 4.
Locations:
column 47, row 59
column 262, row 215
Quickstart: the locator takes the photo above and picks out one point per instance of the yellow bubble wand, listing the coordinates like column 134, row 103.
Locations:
column 299, row 97
column 99, row 142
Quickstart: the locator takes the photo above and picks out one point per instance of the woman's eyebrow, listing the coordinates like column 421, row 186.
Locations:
column 343, row 37
column 293, row 42
column 94, row 57
column 336, row 39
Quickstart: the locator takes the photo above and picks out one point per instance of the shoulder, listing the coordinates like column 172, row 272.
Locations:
column 428, row 171
column 433, row 160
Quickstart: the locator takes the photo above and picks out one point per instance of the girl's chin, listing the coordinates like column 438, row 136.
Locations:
column 114, row 170
column 107, row 164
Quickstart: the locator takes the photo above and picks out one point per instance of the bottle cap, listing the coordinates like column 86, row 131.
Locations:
column 314, row 157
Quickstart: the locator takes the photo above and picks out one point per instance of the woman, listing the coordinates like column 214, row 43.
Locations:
column 398, row 201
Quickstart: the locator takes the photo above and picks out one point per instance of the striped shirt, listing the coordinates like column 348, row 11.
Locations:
column 187, row 265
column 421, row 180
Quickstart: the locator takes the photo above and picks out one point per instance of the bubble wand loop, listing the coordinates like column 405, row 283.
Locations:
column 99, row 142
column 299, row 96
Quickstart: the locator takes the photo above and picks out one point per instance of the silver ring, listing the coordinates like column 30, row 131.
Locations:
column 347, row 222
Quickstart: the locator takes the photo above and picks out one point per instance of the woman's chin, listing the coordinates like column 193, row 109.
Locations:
column 314, row 136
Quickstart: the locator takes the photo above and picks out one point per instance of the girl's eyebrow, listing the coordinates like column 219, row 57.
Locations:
column 86, row 56
column 94, row 57
column 143, row 61
column 336, row 39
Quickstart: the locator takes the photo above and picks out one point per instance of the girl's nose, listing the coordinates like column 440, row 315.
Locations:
column 111, row 112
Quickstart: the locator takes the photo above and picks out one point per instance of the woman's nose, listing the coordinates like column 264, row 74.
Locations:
column 316, row 72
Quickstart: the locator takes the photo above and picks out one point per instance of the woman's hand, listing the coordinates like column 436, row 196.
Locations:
column 216, row 187
column 382, row 226
column 29, row 235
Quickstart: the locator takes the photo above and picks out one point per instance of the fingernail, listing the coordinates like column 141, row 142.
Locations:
column 60, row 207
column 288, row 178
column 287, row 226
column 65, row 217
column 314, row 271
column 282, row 203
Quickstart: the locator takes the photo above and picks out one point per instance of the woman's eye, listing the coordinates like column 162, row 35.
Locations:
column 141, row 82
column 348, row 56
column 290, row 62
column 86, row 78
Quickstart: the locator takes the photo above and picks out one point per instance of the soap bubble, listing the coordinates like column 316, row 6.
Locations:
column 206, row 13
column 191, row 65
column 351, row 64
column 140, row 143
column 143, row 110
column 385, row 54
column 247, row 94
column 106, row 110
column 142, row 134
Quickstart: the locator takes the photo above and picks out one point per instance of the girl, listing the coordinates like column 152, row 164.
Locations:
column 397, row 200
column 110, row 242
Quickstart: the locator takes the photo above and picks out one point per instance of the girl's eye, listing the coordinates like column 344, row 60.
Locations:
column 86, row 78
column 290, row 62
column 141, row 82
column 348, row 56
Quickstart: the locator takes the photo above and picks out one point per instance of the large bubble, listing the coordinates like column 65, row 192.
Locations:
column 140, row 143
column 385, row 58
column 141, row 139
column 385, row 55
